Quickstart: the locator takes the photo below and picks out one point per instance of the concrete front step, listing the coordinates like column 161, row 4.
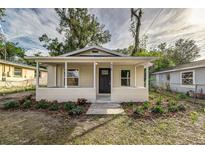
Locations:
column 105, row 108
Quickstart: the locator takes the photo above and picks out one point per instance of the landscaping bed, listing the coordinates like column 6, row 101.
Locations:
column 77, row 108
column 156, row 107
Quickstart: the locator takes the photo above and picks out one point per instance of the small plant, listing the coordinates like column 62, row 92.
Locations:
column 42, row 104
column 146, row 105
column 69, row 106
column 11, row 104
column 159, row 101
column 139, row 111
column 81, row 101
column 181, row 107
column 76, row 110
column 54, row 107
column 172, row 107
column 27, row 104
column 194, row 116
column 158, row 109
column 181, row 96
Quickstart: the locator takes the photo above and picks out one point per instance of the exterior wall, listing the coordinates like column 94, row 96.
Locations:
column 129, row 94
column 9, row 70
column 56, row 74
column 65, row 94
column 51, row 76
column 175, row 80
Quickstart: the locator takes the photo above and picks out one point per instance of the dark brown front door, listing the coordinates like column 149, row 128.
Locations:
column 104, row 80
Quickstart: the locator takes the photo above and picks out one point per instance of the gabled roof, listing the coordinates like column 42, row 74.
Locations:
column 192, row 65
column 19, row 65
column 93, row 48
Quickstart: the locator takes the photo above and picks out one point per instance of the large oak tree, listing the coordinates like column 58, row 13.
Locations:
column 79, row 29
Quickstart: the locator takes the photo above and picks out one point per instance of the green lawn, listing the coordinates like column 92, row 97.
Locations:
column 33, row 127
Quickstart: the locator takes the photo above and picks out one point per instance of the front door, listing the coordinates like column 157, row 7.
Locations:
column 104, row 80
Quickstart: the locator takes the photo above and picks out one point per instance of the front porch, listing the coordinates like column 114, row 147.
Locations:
column 85, row 80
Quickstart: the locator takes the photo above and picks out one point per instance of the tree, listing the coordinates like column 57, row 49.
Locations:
column 13, row 52
column 184, row 51
column 79, row 29
column 135, row 27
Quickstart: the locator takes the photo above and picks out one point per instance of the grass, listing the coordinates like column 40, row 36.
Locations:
column 33, row 127
column 10, row 90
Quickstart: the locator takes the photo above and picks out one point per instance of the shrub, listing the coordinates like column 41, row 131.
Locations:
column 181, row 96
column 12, row 104
column 76, row 110
column 42, row 104
column 81, row 101
column 172, row 108
column 146, row 105
column 27, row 104
column 54, row 107
column 69, row 106
column 139, row 111
column 194, row 116
column 181, row 107
column 159, row 100
column 158, row 109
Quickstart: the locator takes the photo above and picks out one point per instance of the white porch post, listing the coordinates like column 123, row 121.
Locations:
column 147, row 78
column 111, row 81
column 135, row 77
column 94, row 75
column 37, row 74
column 66, row 74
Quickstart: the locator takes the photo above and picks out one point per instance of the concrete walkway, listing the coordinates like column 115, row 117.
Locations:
column 105, row 108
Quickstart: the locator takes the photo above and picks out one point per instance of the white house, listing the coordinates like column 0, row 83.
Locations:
column 94, row 73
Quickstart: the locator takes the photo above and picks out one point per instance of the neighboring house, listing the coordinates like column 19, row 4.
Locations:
column 16, row 73
column 94, row 73
column 183, row 78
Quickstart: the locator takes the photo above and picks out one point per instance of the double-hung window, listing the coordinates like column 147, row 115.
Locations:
column 187, row 78
column 17, row 72
column 125, row 77
column 73, row 77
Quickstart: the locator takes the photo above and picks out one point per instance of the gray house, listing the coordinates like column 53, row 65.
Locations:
column 182, row 78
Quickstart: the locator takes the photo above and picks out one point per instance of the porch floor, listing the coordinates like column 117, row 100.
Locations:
column 105, row 108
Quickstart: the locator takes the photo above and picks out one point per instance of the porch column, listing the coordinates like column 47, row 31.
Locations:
column 66, row 74
column 111, row 80
column 94, row 75
column 37, row 74
column 135, row 77
column 147, row 78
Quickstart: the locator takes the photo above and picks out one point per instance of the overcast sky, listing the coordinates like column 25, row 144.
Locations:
column 26, row 25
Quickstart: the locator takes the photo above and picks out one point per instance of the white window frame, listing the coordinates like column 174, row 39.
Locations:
column 193, row 71
column 125, row 77
column 78, row 77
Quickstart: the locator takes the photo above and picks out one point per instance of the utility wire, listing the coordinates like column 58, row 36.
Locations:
column 155, row 18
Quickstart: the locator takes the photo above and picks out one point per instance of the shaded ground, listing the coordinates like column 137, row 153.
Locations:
column 10, row 90
column 32, row 127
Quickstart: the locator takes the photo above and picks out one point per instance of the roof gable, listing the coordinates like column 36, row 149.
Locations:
column 93, row 51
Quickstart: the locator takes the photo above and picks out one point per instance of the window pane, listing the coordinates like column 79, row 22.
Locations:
column 187, row 78
column 18, row 72
column 72, row 81
column 73, row 73
column 125, row 73
column 125, row 82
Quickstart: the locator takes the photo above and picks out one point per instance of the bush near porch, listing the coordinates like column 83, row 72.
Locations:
column 28, row 103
